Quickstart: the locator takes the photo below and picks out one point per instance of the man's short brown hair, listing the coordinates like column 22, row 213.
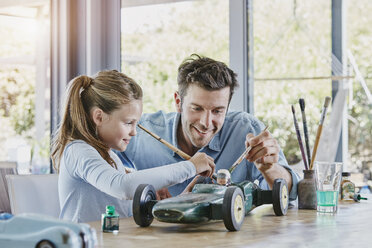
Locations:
column 206, row 73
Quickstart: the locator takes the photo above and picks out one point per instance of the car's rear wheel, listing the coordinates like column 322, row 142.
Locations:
column 45, row 244
column 233, row 210
column 141, row 212
column 280, row 197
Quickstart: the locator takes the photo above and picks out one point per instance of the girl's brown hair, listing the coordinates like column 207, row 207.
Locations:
column 108, row 90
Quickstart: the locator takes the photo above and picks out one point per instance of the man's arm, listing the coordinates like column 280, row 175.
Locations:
column 274, row 171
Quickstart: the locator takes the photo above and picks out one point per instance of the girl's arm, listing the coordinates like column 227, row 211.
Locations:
column 84, row 162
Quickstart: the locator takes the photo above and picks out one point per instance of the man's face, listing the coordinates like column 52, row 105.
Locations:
column 202, row 114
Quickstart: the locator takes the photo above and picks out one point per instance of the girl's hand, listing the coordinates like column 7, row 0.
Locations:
column 204, row 164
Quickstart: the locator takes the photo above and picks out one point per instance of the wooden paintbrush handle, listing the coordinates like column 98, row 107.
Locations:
column 317, row 139
column 178, row 151
column 240, row 159
column 170, row 146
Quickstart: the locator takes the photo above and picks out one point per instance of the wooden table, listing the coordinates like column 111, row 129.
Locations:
column 350, row 226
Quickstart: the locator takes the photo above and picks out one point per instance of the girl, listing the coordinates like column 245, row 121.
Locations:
column 101, row 114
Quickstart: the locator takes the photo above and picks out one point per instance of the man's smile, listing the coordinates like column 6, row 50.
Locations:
column 202, row 133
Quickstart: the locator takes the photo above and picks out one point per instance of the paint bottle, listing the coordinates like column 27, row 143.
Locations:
column 110, row 220
column 347, row 187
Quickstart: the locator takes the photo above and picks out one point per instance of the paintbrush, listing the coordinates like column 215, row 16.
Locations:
column 306, row 134
column 327, row 100
column 244, row 154
column 299, row 139
column 170, row 146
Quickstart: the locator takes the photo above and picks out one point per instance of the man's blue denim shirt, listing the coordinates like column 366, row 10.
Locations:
column 225, row 147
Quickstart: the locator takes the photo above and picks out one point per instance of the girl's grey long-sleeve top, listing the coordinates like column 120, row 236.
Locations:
column 87, row 183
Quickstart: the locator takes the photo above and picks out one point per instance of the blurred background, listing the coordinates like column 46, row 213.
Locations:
column 289, row 54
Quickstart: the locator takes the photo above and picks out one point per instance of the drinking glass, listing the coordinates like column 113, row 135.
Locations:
column 328, row 178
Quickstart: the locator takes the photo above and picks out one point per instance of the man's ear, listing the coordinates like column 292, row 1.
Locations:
column 177, row 101
column 97, row 116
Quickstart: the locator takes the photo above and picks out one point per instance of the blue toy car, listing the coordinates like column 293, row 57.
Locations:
column 40, row 231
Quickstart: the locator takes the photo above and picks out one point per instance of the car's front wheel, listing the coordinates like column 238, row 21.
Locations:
column 280, row 197
column 45, row 244
column 141, row 212
column 233, row 210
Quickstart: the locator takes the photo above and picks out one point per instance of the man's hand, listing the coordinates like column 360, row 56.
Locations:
column 162, row 194
column 264, row 151
column 265, row 155
column 203, row 163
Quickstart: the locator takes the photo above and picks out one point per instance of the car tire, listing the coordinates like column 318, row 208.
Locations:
column 45, row 244
column 233, row 208
column 280, row 197
column 141, row 213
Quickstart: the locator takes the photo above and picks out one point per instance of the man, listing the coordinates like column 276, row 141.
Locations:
column 202, row 124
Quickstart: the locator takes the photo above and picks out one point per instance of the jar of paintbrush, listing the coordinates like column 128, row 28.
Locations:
column 306, row 191
column 306, row 188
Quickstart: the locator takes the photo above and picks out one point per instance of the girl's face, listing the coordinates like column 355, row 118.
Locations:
column 116, row 129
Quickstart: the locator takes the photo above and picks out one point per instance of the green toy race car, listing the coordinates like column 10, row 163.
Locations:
column 209, row 202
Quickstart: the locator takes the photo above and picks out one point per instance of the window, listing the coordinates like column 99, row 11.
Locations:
column 24, row 85
column 156, row 38
column 289, row 48
column 297, row 45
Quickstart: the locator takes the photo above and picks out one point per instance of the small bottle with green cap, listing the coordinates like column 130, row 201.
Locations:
column 110, row 220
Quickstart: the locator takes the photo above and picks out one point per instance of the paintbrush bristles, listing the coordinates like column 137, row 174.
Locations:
column 301, row 101
column 302, row 104
column 299, row 139
column 327, row 100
